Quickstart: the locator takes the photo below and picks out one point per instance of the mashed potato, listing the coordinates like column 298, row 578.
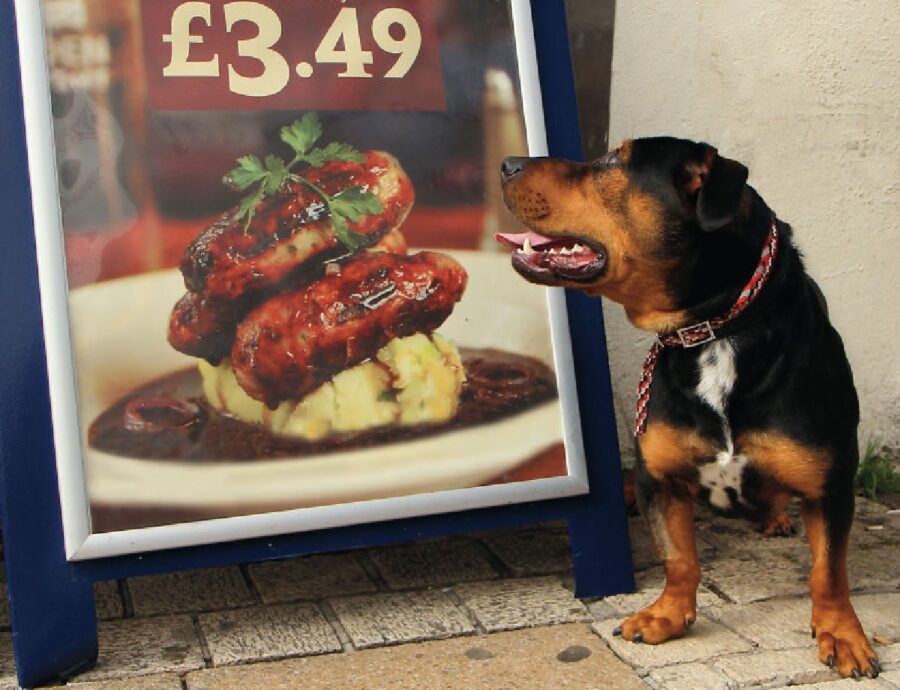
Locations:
column 414, row 380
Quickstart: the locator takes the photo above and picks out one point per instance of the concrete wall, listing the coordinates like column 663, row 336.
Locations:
column 807, row 95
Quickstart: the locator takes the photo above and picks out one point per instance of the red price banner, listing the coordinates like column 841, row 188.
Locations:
column 292, row 54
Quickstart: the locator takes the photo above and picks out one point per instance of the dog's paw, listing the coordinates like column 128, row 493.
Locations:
column 779, row 526
column 844, row 647
column 667, row 618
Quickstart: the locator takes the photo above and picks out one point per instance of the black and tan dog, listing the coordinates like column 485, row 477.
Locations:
column 747, row 398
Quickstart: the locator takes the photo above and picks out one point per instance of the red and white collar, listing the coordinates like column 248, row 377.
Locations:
column 705, row 331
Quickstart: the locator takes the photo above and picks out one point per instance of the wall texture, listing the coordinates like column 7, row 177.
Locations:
column 807, row 95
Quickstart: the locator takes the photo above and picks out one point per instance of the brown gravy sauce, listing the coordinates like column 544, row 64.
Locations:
column 169, row 418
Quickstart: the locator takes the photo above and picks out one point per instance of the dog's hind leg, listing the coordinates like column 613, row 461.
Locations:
column 842, row 642
column 779, row 523
column 669, row 512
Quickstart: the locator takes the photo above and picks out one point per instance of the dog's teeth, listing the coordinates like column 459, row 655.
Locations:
column 577, row 249
column 527, row 248
column 566, row 250
column 553, row 250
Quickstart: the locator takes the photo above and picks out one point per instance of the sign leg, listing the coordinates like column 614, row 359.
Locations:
column 53, row 622
column 600, row 553
column 51, row 601
column 598, row 526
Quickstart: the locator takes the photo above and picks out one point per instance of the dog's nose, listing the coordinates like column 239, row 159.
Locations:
column 512, row 166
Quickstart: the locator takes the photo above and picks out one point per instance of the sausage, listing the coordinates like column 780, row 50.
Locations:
column 291, row 344
column 291, row 227
column 203, row 326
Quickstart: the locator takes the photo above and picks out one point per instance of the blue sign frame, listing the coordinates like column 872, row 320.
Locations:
column 51, row 599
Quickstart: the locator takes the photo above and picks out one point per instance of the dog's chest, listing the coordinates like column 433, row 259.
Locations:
column 722, row 477
column 717, row 376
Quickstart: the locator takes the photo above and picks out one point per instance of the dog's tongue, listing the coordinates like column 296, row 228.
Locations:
column 517, row 240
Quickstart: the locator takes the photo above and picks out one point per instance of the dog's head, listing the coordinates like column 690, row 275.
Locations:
column 621, row 226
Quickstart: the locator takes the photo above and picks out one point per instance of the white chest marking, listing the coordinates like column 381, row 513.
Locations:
column 717, row 374
column 721, row 475
column 717, row 377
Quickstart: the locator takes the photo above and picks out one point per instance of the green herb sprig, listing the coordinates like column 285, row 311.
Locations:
column 266, row 177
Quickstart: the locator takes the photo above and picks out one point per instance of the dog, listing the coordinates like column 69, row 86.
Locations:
column 746, row 399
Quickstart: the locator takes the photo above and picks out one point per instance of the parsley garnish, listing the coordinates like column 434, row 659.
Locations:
column 267, row 177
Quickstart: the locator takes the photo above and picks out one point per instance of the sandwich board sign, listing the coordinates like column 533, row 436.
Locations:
column 258, row 308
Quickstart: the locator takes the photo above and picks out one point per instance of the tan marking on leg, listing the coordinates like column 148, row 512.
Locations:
column 842, row 642
column 798, row 467
column 670, row 451
column 671, row 520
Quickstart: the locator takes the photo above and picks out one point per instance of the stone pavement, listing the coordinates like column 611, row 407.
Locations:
column 485, row 611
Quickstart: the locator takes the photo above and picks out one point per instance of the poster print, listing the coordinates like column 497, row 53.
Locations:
column 284, row 296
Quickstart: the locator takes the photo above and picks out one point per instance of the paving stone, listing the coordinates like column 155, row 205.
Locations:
column 195, row 590
column 311, row 577
column 510, row 604
column 744, row 580
column 843, row 684
column 892, row 677
column 867, row 509
column 706, row 639
column 871, row 566
column 432, row 563
column 7, row 662
column 520, row 660
column 140, row 646
column 773, row 624
column 650, row 585
column 862, row 536
column 164, row 681
column 380, row 619
column 262, row 633
column 531, row 551
column 879, row 614
column 692, row 676
column 784, row 623
column 739, row 539
column 108, row 600
column 891, row 521
column 600, row 610
column 797, row 666
column 888, row 654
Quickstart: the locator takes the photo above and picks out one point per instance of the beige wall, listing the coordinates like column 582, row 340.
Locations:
column 807, row 95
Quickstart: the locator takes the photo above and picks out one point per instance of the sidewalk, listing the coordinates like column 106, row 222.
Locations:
column 490, row 610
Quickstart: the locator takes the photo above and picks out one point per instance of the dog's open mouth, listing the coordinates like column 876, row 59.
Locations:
column 547, row 259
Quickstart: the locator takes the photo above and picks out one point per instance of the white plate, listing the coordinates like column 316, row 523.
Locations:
column 119, row 335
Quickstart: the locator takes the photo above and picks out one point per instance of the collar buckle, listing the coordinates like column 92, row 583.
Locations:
column 698, row 334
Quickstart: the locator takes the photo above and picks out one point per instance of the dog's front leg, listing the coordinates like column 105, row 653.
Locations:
column 842, row 642
column 669, row 511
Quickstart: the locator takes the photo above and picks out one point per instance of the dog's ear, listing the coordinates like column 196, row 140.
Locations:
column 712, row 187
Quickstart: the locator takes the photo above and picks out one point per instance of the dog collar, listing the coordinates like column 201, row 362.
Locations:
column 705, row 331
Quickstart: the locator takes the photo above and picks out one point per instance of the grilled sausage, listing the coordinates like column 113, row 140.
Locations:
column 203, row 326
column 291, row 227
column 291, row 344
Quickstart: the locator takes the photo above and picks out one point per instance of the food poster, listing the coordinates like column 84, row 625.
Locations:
column 284, row 290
